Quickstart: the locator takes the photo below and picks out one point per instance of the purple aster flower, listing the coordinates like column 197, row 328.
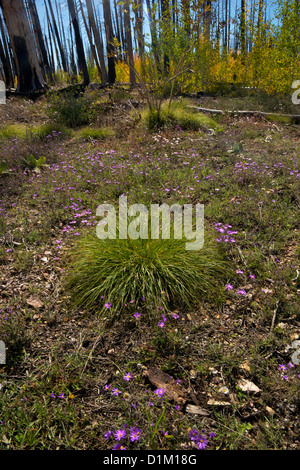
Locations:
column 127, row 377
column 281, row 367
column 107, row 305
column 229, row 287
column 135, row 434
column 120, row 434
column 116, row 392
column 118, row 446
column 285, row 377
column 194, row 434
column 159, row 392
column 106, row 387
column 290, row 365
column 161, row 324
column 202, row 442
column 242, row 292
column 212, row 435
column 137, row 315
column 108, row 435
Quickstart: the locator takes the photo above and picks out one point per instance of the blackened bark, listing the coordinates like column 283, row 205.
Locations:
column 79, row 44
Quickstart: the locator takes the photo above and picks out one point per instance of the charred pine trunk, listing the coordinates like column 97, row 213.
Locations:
column 58, row 39
column 110, row 44
column 79, row 44
column 98, row 41
column 127, row 25
column 29, row 73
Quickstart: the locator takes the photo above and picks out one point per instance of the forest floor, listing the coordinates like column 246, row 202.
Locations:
column 72, row 380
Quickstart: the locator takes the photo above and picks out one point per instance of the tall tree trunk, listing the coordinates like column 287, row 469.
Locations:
column 29, row 72
column 127, row 24
column 243, row 30
column 58, row 39
column 109, row 40
column 79, row 44
column 138, row 11
column 153, row 34
column 165, row 13
column 39, row 35
column 5, row 58
column 98, row 41
column 92, row 46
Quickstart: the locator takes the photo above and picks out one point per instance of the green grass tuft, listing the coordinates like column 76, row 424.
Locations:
column 161, row 271
column 179, row 115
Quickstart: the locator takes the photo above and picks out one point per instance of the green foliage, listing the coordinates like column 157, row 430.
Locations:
column 179, row 114
column 70, row 109
column 160, row 270
column 3, row 166
column 32, row 163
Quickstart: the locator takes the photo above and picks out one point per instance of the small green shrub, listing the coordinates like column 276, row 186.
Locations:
column 71, row 110
column 162, row 271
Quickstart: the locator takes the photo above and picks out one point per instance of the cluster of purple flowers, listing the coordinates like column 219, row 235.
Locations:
column 285, row 369
column 134, row 434
column 226, row 233
column 200, row 439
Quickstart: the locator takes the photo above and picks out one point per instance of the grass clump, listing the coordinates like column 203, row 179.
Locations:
column 113, row 272
column 179, row 114
column 13, row 131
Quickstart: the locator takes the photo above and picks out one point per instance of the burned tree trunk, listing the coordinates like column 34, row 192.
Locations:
column 39, row 36
column 79, row 44
column 109, row 40
column 98, row 41
column 29, row 72
column 129, row 42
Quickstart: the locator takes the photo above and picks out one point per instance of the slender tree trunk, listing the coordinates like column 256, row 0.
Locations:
column 165, row 13
column 79, row 44
column 98, row 41
column 29, row 72
column 92, row 46
column 109, row 40
column 138, row 11
column 39, row 35
column 153, row 34
column 5, row 58
column 127, row 24
column 58, row 39
column 243, row 30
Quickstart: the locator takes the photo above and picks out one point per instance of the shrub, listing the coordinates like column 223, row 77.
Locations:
column 70, row 109
column 162, row 271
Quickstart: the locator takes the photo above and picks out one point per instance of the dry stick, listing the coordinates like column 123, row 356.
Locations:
column 91, row 352
column 274, row 316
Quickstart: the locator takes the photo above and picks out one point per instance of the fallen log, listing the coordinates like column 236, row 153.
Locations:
column 295, row 118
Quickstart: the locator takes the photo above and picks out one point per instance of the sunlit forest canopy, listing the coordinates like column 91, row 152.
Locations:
column 217, row 44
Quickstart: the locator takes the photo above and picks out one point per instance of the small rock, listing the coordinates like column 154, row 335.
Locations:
column 247, row 386
column 270, row 410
